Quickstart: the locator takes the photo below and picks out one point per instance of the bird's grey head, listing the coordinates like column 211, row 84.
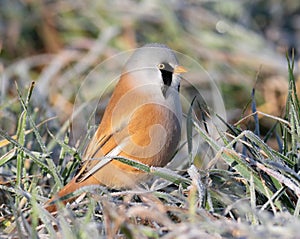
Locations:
column 157, row 63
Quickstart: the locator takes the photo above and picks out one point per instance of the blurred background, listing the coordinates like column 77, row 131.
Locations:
column 241, row 45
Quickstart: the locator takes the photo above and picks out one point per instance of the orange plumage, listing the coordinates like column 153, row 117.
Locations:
column 142, row 122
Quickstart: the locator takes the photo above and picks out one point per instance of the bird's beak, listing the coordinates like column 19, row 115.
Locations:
column 179, row 69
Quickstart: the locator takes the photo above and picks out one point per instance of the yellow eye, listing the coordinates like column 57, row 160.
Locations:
column 161, row 66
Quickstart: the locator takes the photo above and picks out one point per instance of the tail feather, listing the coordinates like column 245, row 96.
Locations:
column 66, row 191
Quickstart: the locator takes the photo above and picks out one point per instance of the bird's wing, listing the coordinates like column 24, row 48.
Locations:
column 100, row 152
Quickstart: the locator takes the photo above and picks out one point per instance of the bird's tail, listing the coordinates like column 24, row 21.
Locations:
column 65, row 194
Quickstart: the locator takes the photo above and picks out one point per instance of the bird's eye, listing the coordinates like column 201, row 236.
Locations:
column 161, row 66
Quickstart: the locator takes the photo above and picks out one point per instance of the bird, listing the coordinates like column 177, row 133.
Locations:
column 142, row 122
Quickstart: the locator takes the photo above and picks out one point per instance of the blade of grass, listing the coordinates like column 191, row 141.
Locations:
column 170, row 175
column 255, row 116
column 20, row 154
column 189, row 131
column 5, row 142
column 234, row 160
column 25, row 150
